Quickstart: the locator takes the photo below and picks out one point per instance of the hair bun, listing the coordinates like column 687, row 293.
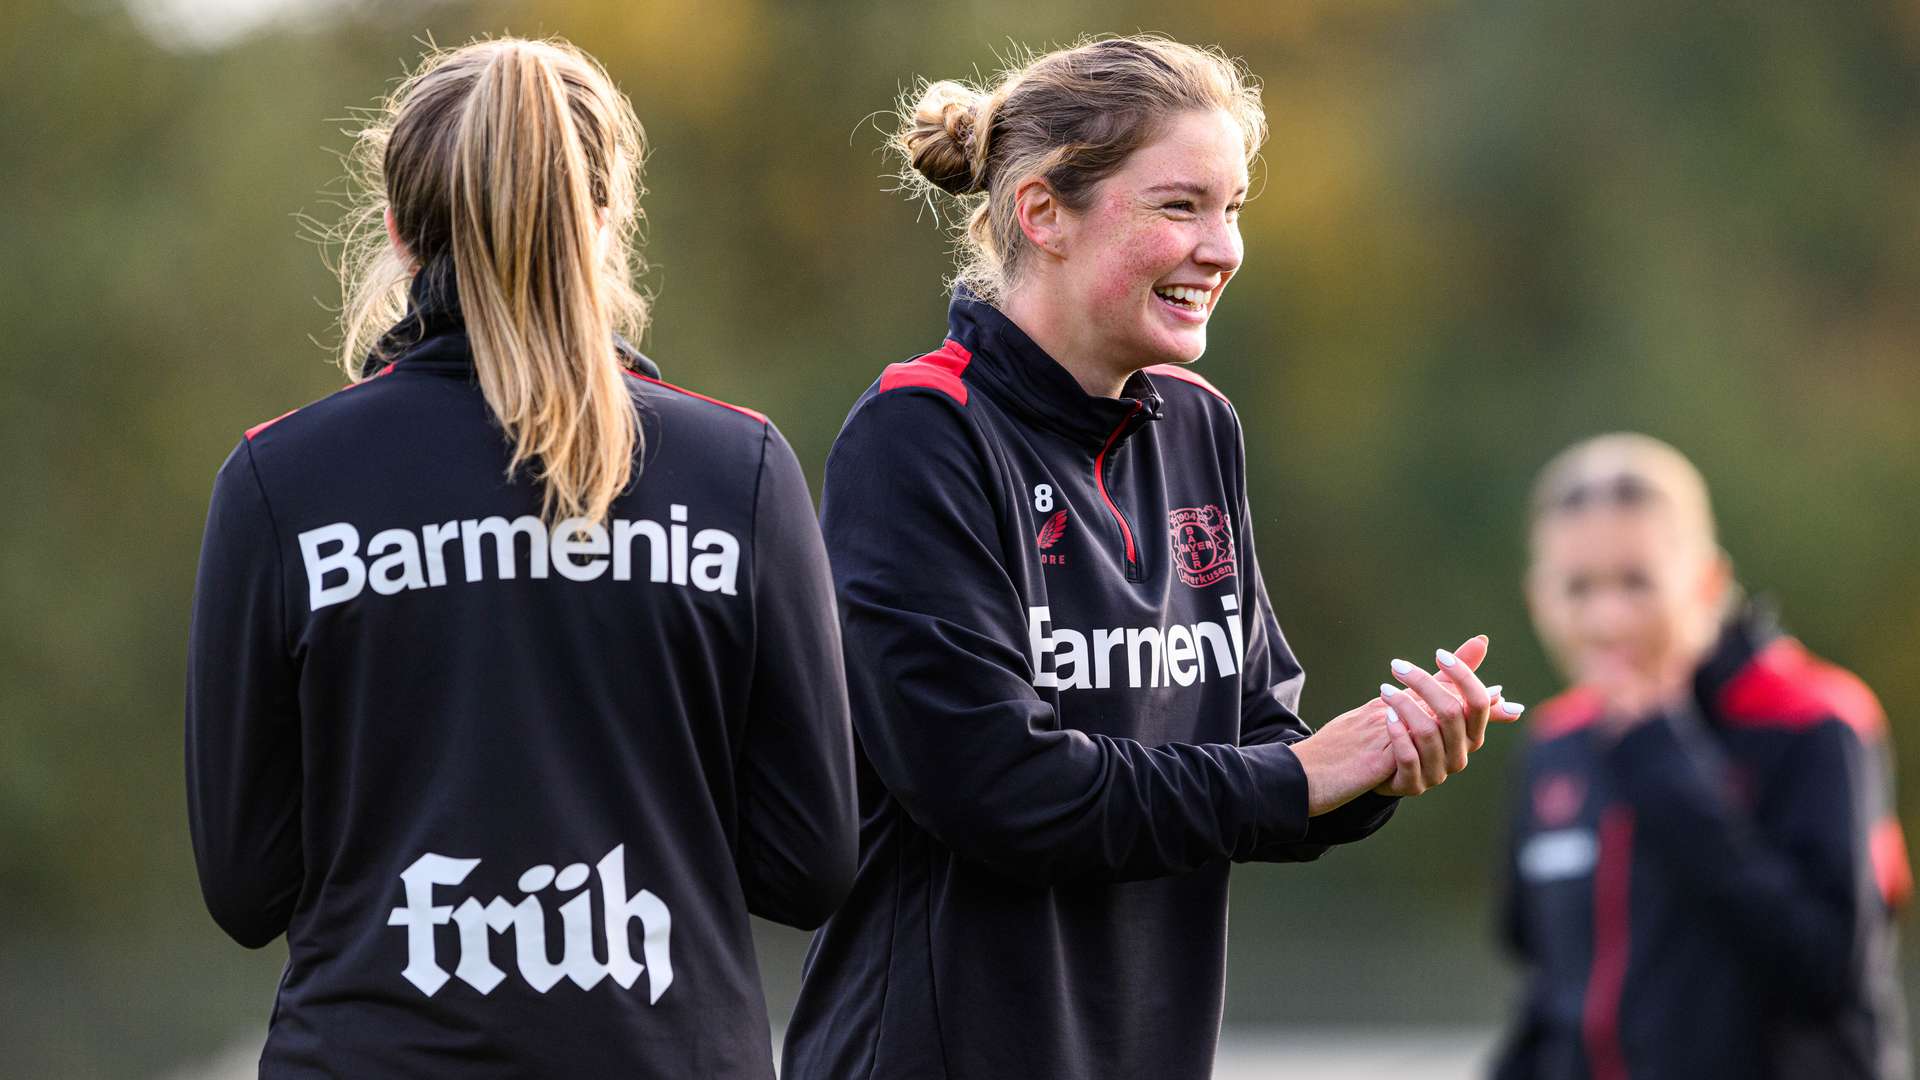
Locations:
column 939, row 138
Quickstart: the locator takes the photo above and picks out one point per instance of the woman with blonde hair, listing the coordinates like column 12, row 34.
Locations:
column 1705, row 862
column 1074, row 704
column 514, row 681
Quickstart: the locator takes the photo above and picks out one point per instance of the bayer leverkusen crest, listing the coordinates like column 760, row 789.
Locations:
column 1202, row 544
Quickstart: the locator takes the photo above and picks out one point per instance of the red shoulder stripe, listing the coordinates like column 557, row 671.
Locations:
column 1785, row 686
column 939, row 369
column 1565, row 713
column 265, row 424
column 1184, row 374
column 1891, row 868
column 760, row 416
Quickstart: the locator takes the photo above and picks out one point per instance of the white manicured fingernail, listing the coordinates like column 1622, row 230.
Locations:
column 1494, row 690
column 1393, row 718
column 1401, row 667
column 1446, row 658
column 1512, row 708
column 1387, row 690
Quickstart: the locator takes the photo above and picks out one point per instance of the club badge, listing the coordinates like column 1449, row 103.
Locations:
column 1202, row 544
column 1557, row 800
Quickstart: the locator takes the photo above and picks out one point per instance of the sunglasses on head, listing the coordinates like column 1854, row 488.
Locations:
column 1625, row 489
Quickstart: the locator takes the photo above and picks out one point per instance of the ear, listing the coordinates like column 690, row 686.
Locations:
column 1041, row 217
column 393, row 237
column 1533, row 580
column 1533, row 588
column 1715, row 581
column 1543, row 609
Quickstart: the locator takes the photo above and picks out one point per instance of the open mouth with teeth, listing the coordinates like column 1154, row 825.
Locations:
column 1183, row 297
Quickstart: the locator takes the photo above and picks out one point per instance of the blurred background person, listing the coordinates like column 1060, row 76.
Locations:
column 514, row 683
column 1705, row 863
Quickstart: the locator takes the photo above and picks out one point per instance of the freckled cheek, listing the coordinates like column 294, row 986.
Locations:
column 1131, row 266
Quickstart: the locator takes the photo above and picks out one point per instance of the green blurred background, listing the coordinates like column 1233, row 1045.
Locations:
column 1483, row 230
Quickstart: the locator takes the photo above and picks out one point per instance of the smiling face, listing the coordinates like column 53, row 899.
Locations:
column 1142, row 267
column 1621, row 593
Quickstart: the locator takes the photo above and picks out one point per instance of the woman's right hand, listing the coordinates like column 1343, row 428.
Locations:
column 1352, row 754
column 1405, row 741
column 1443, row 717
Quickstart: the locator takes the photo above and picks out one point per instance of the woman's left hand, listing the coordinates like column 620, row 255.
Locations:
column 1447, row 714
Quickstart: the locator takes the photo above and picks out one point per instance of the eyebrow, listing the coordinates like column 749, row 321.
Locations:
column 1184, row 187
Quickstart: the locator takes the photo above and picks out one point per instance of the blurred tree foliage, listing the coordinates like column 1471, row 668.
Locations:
column 1483, row 230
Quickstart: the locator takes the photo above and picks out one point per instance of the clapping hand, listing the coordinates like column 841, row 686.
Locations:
column 1405, row 741
column 1441, row 718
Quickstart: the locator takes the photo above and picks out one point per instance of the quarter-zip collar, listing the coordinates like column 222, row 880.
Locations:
column 432, row 336
column 1019, row 374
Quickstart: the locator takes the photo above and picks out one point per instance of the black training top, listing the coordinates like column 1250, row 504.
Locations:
column 511, row 790
column 1072, row 704
column 1712, row 894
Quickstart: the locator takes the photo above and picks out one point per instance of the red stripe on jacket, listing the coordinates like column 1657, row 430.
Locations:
column 757, row 415
column 1566, row 713
column 1785, row 686
column 1892, row 870
column 1612, row 946
column 265, row 424
column 939, row 369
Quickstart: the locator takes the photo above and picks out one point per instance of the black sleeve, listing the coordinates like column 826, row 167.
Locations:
column 243, row 717
column 799, row 835
column 1794, row 900
column 1270, row 684
column 944, row 705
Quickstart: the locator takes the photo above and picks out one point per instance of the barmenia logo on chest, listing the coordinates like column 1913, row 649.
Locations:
column 1147, row 656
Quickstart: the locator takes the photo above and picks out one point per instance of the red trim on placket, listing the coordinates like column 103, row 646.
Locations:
column 1612, row 946
column 1100, row 482
column 1175, row 371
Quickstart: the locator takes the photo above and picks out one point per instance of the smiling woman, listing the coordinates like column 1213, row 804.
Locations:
column 1146, row 191
column 1075, row 705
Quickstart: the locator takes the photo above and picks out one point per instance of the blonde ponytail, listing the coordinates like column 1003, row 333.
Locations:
column 504, row 161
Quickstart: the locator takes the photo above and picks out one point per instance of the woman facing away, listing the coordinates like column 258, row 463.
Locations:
column 1074, row 706
column 515, row 681
column 1705, row 864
